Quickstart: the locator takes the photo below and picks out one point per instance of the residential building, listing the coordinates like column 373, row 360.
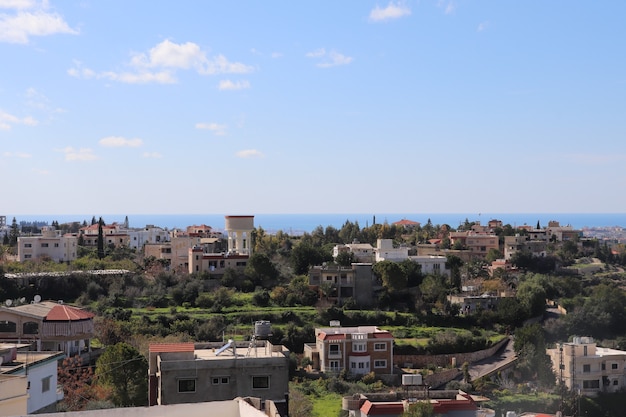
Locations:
column 582, row 365
column 50, row 326
column 32, row 375
column 137, row 238
column 558, row 233
column 363, row 252
column 432, row 264
column 445, row 403
column 356, row 281
column 478, row 244
column 524, row 244
column 408, row 225
column 112, row 234
column 13, row 395
column 183, row 373
column 359, row 350
column 51, row 243
column 214, row 263
column 470, row 304
column 385, row 251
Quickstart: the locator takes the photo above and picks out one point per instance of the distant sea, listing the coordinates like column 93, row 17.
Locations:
column 297, row 224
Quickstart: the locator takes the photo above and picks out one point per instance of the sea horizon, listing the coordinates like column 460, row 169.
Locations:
column 297, row 224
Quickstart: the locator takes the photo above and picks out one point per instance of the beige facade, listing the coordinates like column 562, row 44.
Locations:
column 363, row 252
column 359, row 350
column 13, row 395
column 355, row 281
column 581, row 364
column 180, row 373
column 51, row 243
column 478, row 244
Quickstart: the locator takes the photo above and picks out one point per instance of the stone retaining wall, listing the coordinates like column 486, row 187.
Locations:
column 422, row 361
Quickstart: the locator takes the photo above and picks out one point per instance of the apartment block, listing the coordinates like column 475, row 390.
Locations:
column 51, row 243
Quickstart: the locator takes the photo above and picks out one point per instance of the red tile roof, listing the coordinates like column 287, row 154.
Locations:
column 326, row 336
column 382, row 408
column 405, row 222
column 171, row 347
column 64, row 312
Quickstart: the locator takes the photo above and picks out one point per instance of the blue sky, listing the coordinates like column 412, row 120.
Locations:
column 317, row 107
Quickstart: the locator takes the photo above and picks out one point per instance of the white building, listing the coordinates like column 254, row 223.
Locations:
column 386, row 252
column 363, row 252
column 432, row 264
column 51, row 243
column 150, row 234
column 40, row 371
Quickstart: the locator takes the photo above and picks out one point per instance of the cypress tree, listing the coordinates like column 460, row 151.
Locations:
column 100, row 239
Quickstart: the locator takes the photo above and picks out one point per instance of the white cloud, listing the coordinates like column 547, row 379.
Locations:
column 482, row 26
column 159, row 64
column 230, row 85
column 120, row 142
column 152, row 155
column 276, row 55
column 22, row 25
column 448, row 6
column 17, row 4
column 8, row 120
column 21, row 155
column 82, row 154
column 219, row 130
column 330, row 59
column 249, row 153
column 317, row 53
column 392, row 11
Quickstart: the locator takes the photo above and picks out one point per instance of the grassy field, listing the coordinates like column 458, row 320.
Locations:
column 327, row 406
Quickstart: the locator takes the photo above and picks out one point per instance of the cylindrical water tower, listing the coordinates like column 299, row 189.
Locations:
column 239, row 229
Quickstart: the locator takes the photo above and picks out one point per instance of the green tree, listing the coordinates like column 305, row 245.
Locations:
column 14, row 233
column 100, row 239
column 419, row 409
column 345, row 258
column 122, row 369
column 454, row 264
column 392, row 276
column 261, row 269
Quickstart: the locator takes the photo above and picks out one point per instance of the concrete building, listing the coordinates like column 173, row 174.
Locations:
column 112, row 234
column 239, row 230
column 50, row 326
column 31, row 376
column 478, row 244
column 181, row 373
column 51, row 243
column 238, row 407
column 524, row 244
column 581, row 364
column 445, row 403
column 359, row 350
column 356, row 281
column 137, row 238
column 385, row 251
column 432, row 264
column 363, row 252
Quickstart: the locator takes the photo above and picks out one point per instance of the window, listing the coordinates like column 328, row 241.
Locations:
column 45, row 384
column 28, row 256
column 333, row 365
column 28, row 245
column 44, row 245
column 380, row 363
column 359, row 347
column 586, row 368
column 585, row 350
column 220, row 380
column 380, row 346
column 56, row 245
column 613, row 366
column 594, row 383
column 186, row 385
column 615, row 382
column 8, row 327
column 260, row 382
column 333, row 350
column 30, row 327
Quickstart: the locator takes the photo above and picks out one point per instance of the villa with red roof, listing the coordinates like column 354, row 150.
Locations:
column 359, row 350
column 53, row 326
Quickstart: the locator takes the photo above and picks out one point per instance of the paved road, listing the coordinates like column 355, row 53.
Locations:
column 504, row 357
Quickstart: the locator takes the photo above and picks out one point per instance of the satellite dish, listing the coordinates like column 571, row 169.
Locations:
column 8, row 302
column 22, row 300
column 37, row 298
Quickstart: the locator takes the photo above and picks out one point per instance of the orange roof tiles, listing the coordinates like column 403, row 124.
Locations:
column 63, row 312
column 171, row 347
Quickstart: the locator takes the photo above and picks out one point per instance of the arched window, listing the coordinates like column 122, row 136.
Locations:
column 8, row 327
column 30, row 327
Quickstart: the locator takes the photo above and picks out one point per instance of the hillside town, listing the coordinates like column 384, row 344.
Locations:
column 394, row 319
